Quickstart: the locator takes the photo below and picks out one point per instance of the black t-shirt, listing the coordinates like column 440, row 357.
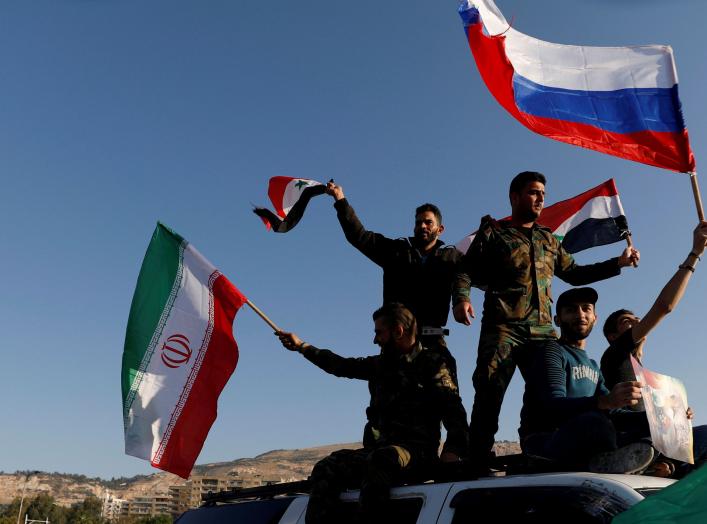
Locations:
column 616, row 364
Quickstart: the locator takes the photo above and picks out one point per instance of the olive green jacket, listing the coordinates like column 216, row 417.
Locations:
column 516, row 274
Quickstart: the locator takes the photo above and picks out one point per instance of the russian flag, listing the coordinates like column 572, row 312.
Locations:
column 622, row 101
column 593, row 218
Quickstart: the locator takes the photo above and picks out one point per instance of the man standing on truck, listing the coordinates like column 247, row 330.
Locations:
column 412, row 391
column 514, row 261
column 418, row 271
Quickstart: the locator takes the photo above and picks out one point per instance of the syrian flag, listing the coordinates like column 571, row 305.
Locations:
column 594, row 218
column 290, row 197
column 179, row 353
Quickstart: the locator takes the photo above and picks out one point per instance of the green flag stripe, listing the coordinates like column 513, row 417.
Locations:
column 684, row 502
column 157, row 286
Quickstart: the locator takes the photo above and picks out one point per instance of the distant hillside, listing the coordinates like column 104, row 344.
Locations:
column 277, row 465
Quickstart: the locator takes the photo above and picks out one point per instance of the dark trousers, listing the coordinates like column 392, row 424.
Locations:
column 438, row 344
column 374, row 470
column 587, row 434
column 502, row 347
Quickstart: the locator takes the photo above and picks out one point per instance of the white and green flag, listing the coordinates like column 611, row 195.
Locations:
column 179, row 353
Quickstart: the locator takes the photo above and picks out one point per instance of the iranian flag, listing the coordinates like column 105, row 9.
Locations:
column 594, row 218
column 289, row 197
column 179, row 353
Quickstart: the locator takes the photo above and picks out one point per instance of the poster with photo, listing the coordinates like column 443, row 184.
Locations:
column 665, row 400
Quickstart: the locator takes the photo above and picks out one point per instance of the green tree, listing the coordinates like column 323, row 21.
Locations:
column 86, row 512
column 40, row 507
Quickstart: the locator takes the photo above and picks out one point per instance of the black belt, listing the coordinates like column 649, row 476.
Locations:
column 428, row 330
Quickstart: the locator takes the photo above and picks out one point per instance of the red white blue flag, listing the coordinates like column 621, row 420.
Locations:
column 594, row 218
column 622, row 101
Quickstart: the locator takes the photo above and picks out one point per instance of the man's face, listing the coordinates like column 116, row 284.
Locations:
column 427, row 228
column 528, row 203
column 383, row 333
column 576, row 320
column 623, row 324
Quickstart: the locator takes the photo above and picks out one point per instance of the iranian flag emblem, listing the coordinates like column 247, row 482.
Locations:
column 179, row 353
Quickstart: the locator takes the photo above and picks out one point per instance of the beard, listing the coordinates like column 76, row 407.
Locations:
column 530, row 215
column 425, row 238
column 575, row 331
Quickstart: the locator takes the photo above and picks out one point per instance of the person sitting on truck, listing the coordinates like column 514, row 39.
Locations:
column 569, row 416
column 626, row 333
column 412, row 391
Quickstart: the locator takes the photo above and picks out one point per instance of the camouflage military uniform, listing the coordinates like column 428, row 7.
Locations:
column 422, row 283
column 515, row 268
column 410, row 395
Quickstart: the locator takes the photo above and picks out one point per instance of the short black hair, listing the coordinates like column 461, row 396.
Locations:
column 521, row 179
column 611, row 323
column 396, row 313
column 431, row 208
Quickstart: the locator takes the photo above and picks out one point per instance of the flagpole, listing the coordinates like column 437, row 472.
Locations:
column 698, row 197
column 262, row 315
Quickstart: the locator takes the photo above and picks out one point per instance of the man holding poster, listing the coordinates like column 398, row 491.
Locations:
column 626, row 334
column 569, row 415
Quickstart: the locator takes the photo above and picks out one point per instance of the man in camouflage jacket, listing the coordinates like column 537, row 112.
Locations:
column 412, row 391
column 513, row 262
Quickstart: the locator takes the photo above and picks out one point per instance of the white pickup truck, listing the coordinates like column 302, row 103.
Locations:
column 576, row 498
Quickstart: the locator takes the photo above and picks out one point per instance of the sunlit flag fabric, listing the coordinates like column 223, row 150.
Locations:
column 594, row 218
column 684, row 502
column 179, row 353
column 622, row 101
column 290, row 197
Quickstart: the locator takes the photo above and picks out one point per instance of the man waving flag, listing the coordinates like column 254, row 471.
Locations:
column 179, row 353
column 594, row 218
column 622, row 101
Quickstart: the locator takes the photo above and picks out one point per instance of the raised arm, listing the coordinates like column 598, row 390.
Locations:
column 375, row 246
column 674, row 289
column 568, row 270
column 359, row 368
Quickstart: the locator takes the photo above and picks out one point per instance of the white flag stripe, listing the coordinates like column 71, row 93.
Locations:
column 464, row 243
column 293, row 192
column 598, row 207
column 161, row 387
column 583, row 68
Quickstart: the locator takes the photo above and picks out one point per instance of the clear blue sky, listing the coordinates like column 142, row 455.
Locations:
column 114, row 114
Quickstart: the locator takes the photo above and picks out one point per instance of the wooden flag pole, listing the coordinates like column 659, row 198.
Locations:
column 262, row 315
column 698, row 197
